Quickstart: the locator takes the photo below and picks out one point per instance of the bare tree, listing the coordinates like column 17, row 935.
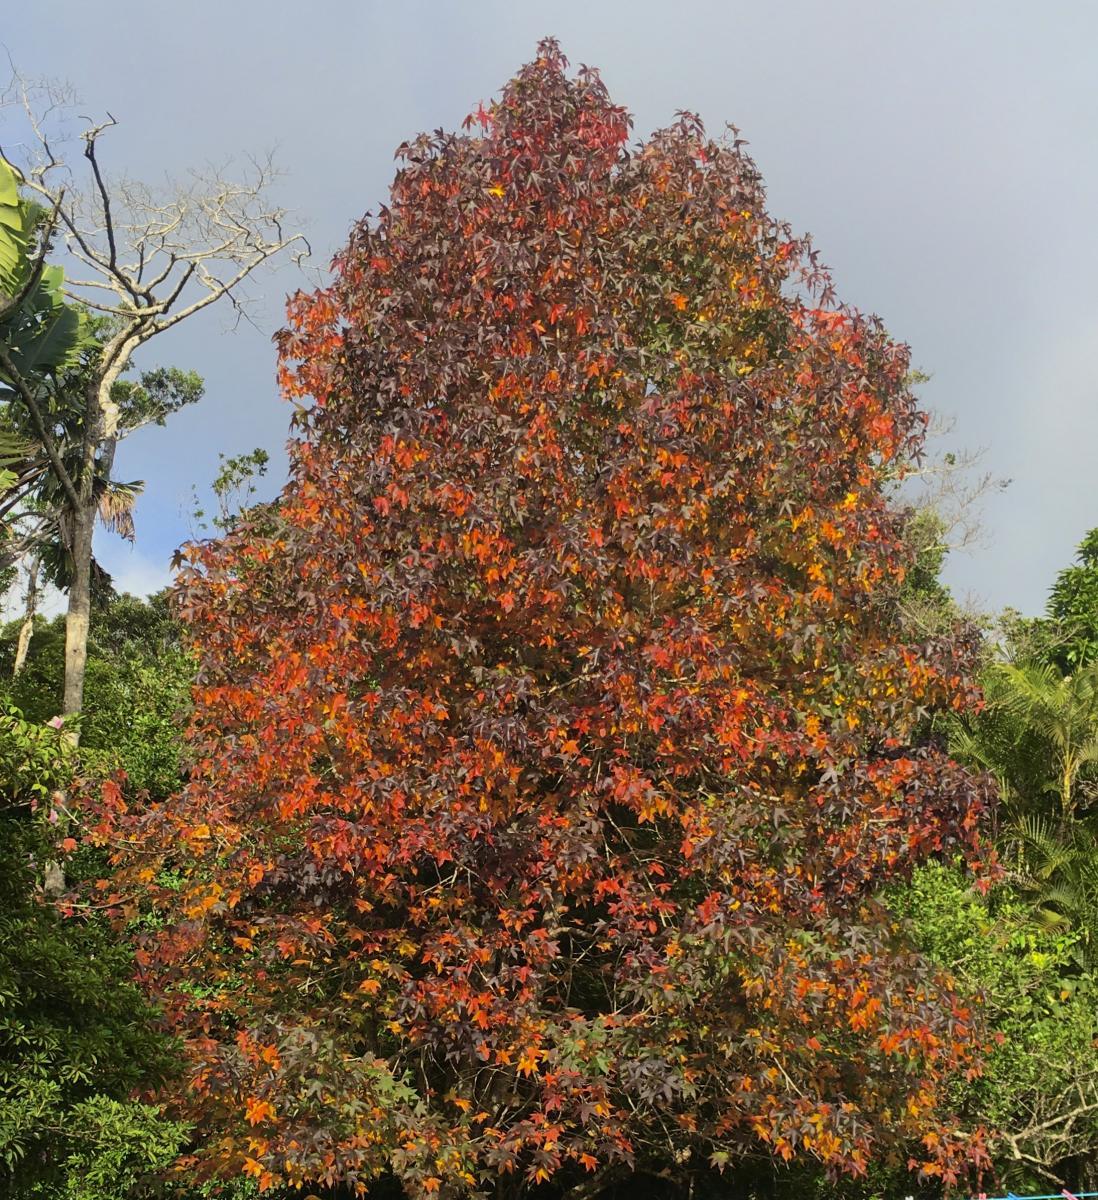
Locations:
column 147, row 259
column 954, row 484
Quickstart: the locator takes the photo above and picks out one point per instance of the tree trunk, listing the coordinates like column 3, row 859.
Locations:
column 78, row 618
column 77, row 623
column 26, row 630
column 100, row 439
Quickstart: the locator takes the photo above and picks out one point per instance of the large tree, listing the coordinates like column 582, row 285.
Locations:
column 556, row 732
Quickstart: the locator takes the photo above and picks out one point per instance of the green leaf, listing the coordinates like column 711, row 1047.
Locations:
column 9, row 185
column 57, row 345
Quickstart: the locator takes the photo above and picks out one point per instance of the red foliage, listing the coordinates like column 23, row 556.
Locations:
column 557, row 729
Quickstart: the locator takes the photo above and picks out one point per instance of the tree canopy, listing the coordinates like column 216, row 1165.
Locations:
column 556, row 731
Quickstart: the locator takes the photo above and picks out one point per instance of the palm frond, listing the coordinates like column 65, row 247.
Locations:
column 116, row 503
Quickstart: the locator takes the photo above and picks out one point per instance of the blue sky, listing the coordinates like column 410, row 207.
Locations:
column 944, row 156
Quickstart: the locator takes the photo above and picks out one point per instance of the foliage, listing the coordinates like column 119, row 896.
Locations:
column 1066, row 636
column 50, row 356
column 234, row 489
column 1039, row 1086
column 41, row 337
column 41, row 333
column 150, row 398
column 1038, row 734
column 925, row 537
column 156, row 395
column 138, row 688
column 927, row 605
column 1073, row 605
column 556, row 733
column 76, row 1037
column 1057, row 866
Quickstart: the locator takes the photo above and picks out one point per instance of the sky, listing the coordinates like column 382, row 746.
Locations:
column 943, row 155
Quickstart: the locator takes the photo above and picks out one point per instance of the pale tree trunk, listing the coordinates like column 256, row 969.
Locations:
column 78, row 618
column 26, row 630
column 100, row 442
column 77, row 622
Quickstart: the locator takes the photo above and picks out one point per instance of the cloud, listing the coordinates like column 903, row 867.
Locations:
column 132, row 571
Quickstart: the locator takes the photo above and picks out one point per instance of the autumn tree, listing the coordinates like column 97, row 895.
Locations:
column 557, row 730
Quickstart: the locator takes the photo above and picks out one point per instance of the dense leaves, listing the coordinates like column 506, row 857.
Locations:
column 76, row 1037
column 40, row 332
column 1039, row 1087
column 1037, row 734
column 138, row 683
column 556, row 732
column 1073, row 605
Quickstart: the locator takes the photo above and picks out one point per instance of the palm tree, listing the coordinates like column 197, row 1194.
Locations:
column 1038, row 736
column 1061, row 711
column 1056, row 865
column 36, row 513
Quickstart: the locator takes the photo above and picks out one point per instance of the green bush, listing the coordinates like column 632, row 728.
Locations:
column 78, row 1041
column 136, row 693
column 1040, row 1007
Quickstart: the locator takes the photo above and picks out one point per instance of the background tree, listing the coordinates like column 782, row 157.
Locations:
column 556, row 732
column 1073, row 606
column 40, row 335
column 148, row 262
column 1037, row 734
column 138, row 688
column 77, row 1039
column 1038, row 1090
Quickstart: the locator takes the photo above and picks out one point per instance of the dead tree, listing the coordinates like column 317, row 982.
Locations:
column 147, row 259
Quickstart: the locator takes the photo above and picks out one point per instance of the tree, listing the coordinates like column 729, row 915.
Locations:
column 40, row 336
column 138, row 688
column 77, row 1039
column 1073, row 605
column 556, row 731
column 1039, row 1087
column 36, row 511
column 1037, row 734
column 151, row 261
column 41, row 332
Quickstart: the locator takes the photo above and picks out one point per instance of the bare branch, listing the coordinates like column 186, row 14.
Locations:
column 955, row 486
column 152, row 247
column 149, row 258
column 90, row 136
